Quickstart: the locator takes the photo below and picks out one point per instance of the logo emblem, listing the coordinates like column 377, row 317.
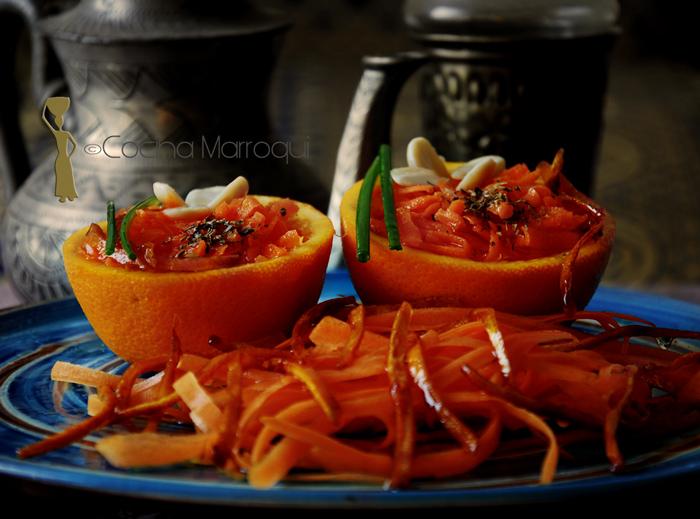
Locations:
column 65, row 184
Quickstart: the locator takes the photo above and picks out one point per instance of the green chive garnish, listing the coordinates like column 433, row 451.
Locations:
column 364, row 207
column 392, row 227
column 111, row 243
column 151, row 200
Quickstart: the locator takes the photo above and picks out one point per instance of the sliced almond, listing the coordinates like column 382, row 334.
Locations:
column 465, row 168
column 414, row 176
column 236, row 189
column 187, row 212
column 479, row 171
column 166, row 195
column 202, row 196
column 421, row 154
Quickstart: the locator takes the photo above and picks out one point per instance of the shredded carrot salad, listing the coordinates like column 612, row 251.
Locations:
column 519, row 215
column 241, row 231
column 395, row 394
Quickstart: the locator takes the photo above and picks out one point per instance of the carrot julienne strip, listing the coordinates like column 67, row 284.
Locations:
column 205, row 414
column 602, row 317
column 146, row 408
column 488, row 317
column 632, row 330
column 276, row 463
column 252, row 410
column 126, row 383
column 549, row 465
column 299, row 411
column 507, row 393
column 419, row 371
column 214, row 365
column 166, row 383
column 190, row 362
column 231, row 416
column 567, row 269
column 612, row 419
column 75, row 374
column 317, row 388
column 453, row 462
column 399, row 379
column 148, row 449
column 357, row 322
column 304, row 324
column 75, row 432
column 352, row 459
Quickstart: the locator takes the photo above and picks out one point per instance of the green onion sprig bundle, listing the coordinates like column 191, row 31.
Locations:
column 124, row 228
column 381, row 167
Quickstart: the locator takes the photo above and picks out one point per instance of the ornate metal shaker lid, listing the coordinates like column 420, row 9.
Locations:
column 108, row 21
column 475, row 21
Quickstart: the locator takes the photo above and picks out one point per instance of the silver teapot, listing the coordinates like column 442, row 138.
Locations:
column 155, row 88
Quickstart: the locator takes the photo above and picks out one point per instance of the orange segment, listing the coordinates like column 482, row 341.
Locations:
column 133, row 312
column 522, row 287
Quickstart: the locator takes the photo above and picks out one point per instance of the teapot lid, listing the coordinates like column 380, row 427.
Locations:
column 106, row 21
column 455, row 21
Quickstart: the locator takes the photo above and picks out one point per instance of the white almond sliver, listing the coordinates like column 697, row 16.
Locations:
column 236, row 189
column 465, row 168
column 166, row 195
column 202, row 196
column 480, row 172
column 421, row 154
column 413, row 176
column 187, row 212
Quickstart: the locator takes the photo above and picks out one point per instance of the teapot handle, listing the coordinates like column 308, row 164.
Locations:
column 14, row 157
column 368, row 124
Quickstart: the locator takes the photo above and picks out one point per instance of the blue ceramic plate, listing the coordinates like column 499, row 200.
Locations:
column 32, row 339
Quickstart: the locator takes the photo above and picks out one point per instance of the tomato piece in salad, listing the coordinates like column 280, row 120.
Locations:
column 240, row 231
column 518, row 215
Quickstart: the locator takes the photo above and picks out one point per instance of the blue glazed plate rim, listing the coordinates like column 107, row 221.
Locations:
column 669, row 312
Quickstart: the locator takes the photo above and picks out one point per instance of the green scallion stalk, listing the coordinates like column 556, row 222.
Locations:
column 364, row 207
column 123, row 231
column 392, row 227
column 111, row 243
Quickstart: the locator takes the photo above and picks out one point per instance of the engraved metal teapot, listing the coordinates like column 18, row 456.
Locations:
column 155, row 88
column 507, row 77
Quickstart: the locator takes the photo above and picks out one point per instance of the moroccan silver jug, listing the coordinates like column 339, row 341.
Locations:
column 155, row 87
